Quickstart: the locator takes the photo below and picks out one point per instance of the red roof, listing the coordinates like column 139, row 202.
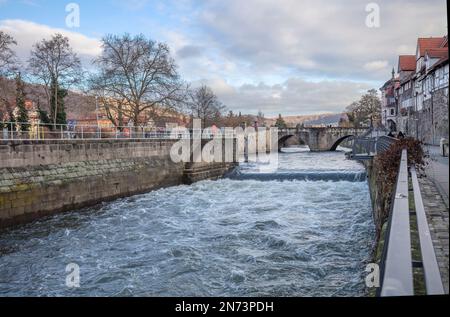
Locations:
column 425, row 43
column 437, row 52
column 406, row 63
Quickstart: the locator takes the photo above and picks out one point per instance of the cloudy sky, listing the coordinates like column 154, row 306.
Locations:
column 278, row 56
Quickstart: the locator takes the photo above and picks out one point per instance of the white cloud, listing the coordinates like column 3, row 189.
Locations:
column 28, row 33
column 292, row 97
column 320, row 37
column 293, row 42
column 376, row 66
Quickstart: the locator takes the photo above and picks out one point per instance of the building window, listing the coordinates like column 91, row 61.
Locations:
column 392, row 112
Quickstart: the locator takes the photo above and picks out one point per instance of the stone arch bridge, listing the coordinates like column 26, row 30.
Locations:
column 320, row 139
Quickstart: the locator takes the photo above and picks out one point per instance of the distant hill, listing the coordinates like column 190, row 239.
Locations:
column 77, row 105
column 315, row 119
column 331, row 119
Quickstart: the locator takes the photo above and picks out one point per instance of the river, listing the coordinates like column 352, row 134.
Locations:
column 305, row 230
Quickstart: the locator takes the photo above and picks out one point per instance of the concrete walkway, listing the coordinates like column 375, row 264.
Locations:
column 435, row 193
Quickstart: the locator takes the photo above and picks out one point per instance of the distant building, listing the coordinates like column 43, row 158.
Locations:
column 389, row 108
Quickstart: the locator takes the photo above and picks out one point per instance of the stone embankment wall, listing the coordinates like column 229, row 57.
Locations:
column 39, row 178
column 380, row 196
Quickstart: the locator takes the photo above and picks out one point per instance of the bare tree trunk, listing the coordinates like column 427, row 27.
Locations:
column 56, row 104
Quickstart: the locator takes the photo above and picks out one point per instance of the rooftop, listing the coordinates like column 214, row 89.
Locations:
column 406, row 63
column 425, row 43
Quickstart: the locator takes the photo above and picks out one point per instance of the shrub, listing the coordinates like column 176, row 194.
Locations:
column 387, row 165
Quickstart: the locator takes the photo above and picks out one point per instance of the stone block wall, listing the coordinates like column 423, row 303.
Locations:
column 42, row 177
column 195, row 172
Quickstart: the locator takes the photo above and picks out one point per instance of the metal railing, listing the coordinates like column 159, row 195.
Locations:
column 10, row 131
column 368, row 147
column 364, row 146
column 397, row 263
column 383, row 143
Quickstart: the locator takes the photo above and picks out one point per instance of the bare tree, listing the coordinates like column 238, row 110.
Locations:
column 355, row 114
column 260, row 119
column 7, row 66
column 371, row 107
column 137, row 78
column 205, row 105
column 7, row 55
column 55, row 65
column 367, row 109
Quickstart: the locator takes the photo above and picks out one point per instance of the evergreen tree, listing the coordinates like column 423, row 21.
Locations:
column 57, row 111
column 12, row 120
column 280, row 123
column 22, row 116
column 43, row 116
column 2, row 120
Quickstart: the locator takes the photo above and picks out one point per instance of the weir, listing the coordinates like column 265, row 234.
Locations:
column 334, row 176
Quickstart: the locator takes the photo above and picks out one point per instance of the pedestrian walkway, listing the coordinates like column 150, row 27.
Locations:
column 437, row 213
column 437, row 170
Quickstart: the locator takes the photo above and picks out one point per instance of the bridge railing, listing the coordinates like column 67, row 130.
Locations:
column 10, row 131
column 397, row 262
column 383, row 143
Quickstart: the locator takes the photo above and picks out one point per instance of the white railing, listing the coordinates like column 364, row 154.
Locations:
column 10, row 131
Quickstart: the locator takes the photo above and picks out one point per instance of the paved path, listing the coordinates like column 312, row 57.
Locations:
column 437, row 170
column 434, row 189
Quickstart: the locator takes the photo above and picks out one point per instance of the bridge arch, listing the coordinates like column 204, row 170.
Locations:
column 283, row 139
column 340, row 140
column 320, row 138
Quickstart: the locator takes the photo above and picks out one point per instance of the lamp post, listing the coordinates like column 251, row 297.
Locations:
column 96, row 115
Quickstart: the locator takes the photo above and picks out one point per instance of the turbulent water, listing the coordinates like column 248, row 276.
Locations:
column 240, row 236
